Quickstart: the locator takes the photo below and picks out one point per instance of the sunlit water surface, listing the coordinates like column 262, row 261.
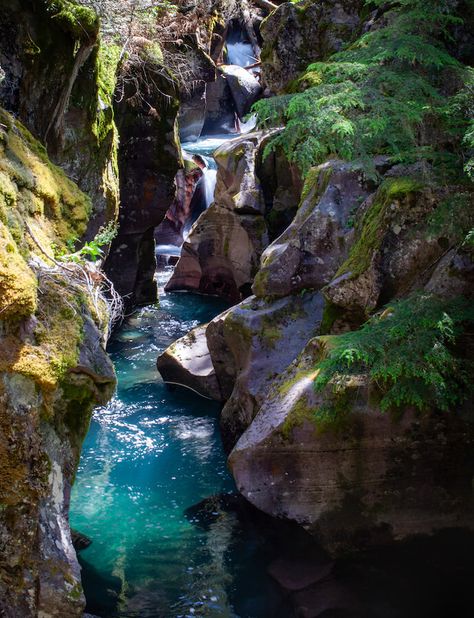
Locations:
column 150, row 454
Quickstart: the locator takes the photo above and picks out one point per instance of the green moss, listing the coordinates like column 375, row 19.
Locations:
column 226, row 246
column 271, row 335
column 80, row 21
column 298, row 414
column 370, row 230
column 316, row 182
column 152, row 52
column 260, row 283
column 26, row 164
column 235, row 326
column 331, row 313
column 285, row 387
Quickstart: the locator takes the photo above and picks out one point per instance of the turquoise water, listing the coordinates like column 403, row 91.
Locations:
column 151, row 454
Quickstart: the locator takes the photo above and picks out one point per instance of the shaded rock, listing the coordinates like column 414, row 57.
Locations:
column 358, row 477
column 149, row 159
column 79, row 540
column 295, row 575
column 294, row 37
column 281, row 185
column 187, row 362
column 220, row 110
column 325, row 598
column 219, row 257
column 245, row 88
column 311, row 249
column 394, row 250
column 453, row 275
column 192, row 115
column 188, row 193
column 250, row 344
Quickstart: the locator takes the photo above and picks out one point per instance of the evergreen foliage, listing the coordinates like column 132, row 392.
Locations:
column 409, row 352
column 396, row 90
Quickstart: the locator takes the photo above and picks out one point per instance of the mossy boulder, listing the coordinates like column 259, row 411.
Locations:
column 309, row 252
column 401, row 233
column 250, row 344
column 350, row 474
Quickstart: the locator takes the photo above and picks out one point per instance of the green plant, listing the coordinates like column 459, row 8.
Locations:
column 384, row 94
column 92, row 250
column 409, row 352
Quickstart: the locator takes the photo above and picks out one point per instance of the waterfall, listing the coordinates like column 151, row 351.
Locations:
column 240, row 53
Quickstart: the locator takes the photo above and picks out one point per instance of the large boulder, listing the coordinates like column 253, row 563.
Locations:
column 250, row 344
column 244, row 86
column 309, row 252
column 356, row 477
column 220, row 256
column 295, row 36
column 396, row 245
column 187, row 363
column 238, row 188
column 222, row 252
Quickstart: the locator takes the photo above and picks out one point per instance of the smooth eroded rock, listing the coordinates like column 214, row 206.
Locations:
column 187, row 363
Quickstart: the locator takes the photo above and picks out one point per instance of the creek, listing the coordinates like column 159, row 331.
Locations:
column 150, row 455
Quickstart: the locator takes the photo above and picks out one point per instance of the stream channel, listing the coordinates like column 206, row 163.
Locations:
column 150, row 454
column 170, row 536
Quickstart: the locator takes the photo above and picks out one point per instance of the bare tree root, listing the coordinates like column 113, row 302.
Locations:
column 82, row 277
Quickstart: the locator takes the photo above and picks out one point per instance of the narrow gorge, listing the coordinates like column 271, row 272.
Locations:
column 236, row 308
